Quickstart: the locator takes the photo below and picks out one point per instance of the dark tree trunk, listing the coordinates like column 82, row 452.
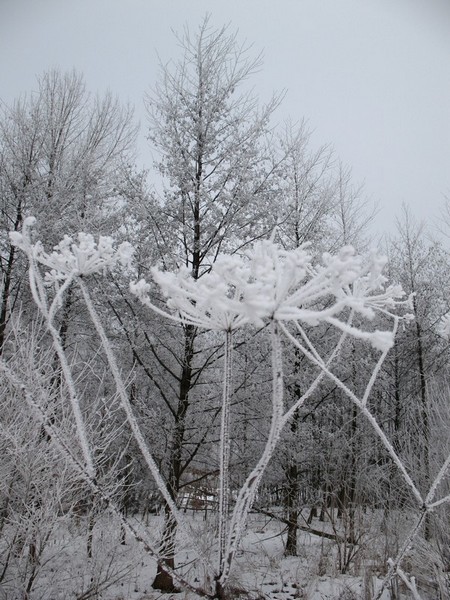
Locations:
column 163, row 580
column 292, row 497
column 7, row 282
column 424, row 416
column 292, row 512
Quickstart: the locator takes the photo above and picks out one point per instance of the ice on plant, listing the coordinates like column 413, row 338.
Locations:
column 79, row 256
column 268, row 282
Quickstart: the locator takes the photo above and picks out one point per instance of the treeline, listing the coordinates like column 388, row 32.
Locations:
column 226, row 176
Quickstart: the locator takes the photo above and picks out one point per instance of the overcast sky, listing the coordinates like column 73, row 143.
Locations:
column 372, row 77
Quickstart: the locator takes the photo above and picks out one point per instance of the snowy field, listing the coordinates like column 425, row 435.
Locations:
column 120, row 571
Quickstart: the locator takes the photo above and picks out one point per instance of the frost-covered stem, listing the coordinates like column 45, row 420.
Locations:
column 248, row 491
column 37, row 286
column 67, row 452
column 224, row 488
column 190, row 320
column 290, row 413
column 394, row 563
column 363, row 408
column 38, row 293
column 443, row 500
column 310, row 345
column 434, row 485
column 57, row 300
column 74, row 401
column 378, row 366
column 389, row 447
column 410, row 584
column 125, row 403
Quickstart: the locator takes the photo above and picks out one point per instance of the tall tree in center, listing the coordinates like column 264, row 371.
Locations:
column 218, row 172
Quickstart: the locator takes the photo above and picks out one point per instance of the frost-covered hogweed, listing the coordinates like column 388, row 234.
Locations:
column 271, row 283
column 83, row 256
column 214, row 301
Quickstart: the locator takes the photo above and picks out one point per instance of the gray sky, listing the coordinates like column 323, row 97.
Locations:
column 372, row 77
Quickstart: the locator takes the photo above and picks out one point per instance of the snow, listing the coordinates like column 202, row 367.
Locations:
column 123, row 572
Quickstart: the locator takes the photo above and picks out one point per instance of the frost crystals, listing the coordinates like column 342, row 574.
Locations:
column 270, row 283
column 69, row 257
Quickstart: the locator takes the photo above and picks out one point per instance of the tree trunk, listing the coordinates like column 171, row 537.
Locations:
column 7, row 281
column 292, row 511
column 292, row 497
column 351, row 495
column 163, row 581
column 424, row 417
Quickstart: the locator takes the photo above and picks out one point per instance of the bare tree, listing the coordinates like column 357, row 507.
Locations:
column 61, row 153
column 306, row 200
column 211, row 140
column 420, row 264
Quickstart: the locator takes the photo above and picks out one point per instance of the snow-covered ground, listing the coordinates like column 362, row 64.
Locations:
column 119, row 571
